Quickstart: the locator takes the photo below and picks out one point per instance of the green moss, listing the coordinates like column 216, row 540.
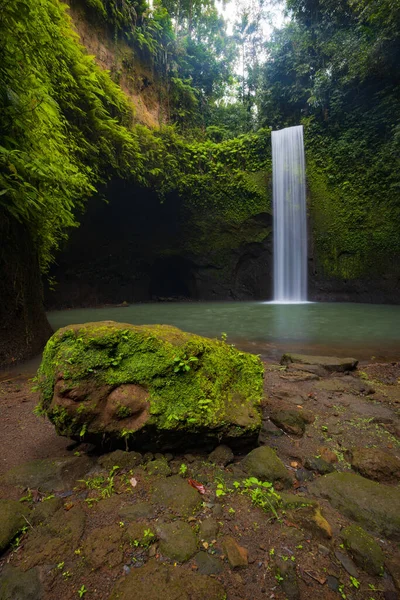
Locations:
column 220, row 384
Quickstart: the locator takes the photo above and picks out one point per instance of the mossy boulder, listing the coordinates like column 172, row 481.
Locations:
column 264, row 464
column 12, row 520
column 364, row 549
column 149, row 386
column 372, row 505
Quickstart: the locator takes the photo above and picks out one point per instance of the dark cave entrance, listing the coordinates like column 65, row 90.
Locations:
column 172, row 277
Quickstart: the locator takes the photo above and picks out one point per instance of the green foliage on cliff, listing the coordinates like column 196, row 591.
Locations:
column 66, row 127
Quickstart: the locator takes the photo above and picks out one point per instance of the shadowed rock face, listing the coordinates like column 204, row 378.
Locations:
column 149, row 386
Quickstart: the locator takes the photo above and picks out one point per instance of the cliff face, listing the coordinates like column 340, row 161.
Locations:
column 136, row 78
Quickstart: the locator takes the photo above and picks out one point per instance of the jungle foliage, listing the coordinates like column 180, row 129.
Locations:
column 66, row 127
column 335, row 68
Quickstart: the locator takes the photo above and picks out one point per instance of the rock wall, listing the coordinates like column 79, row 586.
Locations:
column 135, row 248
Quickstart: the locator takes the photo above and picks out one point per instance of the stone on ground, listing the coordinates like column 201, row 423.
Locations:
column 330, row 363
column 158, row 467
column 376, row 464
column 364, row 549
column 208, row 529
column 177, row 540
column 264, row 464
column 372, row 505
column 18, row 585
column 177, row 495
column 290, row 420
column 12, row 520
column 157, row 581
column 208, row 564
column 49, row 474
column 103, row 548
column 237, row 555
column 319, row 465
column 222, row 455
column 120, row 458
column 149, row 386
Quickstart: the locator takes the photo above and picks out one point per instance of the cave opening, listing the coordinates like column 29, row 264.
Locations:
column 172, row 277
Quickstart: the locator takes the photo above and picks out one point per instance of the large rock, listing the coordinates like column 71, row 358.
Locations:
column 176, row 495
column 364, row 549
column 330, row 363
column 12, row 515
column 264, row 464
column 156, row 581
column 17, row 585
column 177, row 540
column 149, row 386
column 375, row 463
column 372, row 505
column 49, row 474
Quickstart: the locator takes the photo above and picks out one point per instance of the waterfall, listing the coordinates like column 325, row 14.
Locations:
column 290, row 223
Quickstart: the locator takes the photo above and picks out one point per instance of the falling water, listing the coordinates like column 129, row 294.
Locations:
column 290, row 225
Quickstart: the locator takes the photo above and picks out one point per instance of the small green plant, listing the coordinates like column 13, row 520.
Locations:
column 262, row 494
column 221, row 490
column 66, row 574
column 183, row 470
column 354, row 582
column 341, row 591
column 184, row 363
column 61, row 565
column 231, row 511
column 82, row 591
column 224, row 336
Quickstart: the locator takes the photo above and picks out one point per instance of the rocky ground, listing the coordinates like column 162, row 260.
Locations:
column 125, row 525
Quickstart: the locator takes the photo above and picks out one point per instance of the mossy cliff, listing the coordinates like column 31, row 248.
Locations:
column 149, row 386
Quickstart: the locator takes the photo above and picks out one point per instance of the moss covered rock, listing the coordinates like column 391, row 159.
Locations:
column 364, row 549
column 264, row 464
column 371, row 504
column 149, row 386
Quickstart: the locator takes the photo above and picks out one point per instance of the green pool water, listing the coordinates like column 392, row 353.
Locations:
column 362, row 330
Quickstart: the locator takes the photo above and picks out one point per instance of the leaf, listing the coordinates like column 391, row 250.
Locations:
column 133, row 482
column 197, row 486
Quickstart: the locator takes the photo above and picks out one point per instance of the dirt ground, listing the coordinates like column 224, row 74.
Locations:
column 344, row 410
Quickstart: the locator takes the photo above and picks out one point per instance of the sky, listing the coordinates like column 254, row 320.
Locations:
column 232, row 8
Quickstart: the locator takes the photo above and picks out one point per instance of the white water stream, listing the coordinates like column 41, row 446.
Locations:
column 290, row 222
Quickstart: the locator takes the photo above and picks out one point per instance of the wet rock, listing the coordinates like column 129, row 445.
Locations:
column 329, row 363
column 311, row 519
column 176, row 494
column 140, row 534
column 123, row 384
column 333, row 583
column 264, row 464
column 314, row 369
column 236, row 555
column 292, row 421
column 319, row 465
column 207, row 564
column 302, row 475
column 120, row 458
column 393, row 566
column 177, row 540
column 139, row 510
column 295, row 501
column 49, row 474
column 268, row 430
column 44, row 510
column 327, row 455
column 11, row 521
column 222, row 455
column 346, row 563
column 372, row 505
column 208, row 530
column 102, row 547
column 18, row 585
column 159, row 467
column 68, row 525
column 364, row 550
column 285, row 573
column 345, row 384
column 376, row 464
column 157, row 581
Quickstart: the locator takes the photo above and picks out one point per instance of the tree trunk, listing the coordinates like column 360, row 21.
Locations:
column 24, row 328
